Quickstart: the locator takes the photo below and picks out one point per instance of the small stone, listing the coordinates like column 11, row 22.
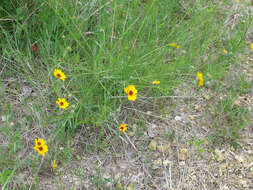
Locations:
column 152, row 145
column 163, row 148
column 182, row 154
column 178, row 118
column 149, row 112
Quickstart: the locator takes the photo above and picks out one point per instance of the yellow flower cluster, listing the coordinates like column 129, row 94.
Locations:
column 174, row 45
column 40, row 146
column 62, row 102
column 200, row 79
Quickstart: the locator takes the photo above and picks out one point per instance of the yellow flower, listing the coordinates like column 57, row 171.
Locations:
column 59, row 74
column 54, row 164
column 156, row 82
column 132, row 92
column 63, row 104
column 201, row 82
column 200, row 79
column 123, row 127
column 251, row 46
column 225, row 52
column 39, row 142
column 40, row 146
column 174, row 45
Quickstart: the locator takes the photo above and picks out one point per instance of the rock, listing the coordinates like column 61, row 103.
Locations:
column 182, row 154
column 178, row 118
column 152, row 145
column 149, row 112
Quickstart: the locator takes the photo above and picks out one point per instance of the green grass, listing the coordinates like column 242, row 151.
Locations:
column 113, row 44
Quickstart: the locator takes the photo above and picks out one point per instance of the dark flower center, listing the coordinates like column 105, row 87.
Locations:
column 61, row 103
column 41, row 148
column 121, row 128
column 39, row 143
column 131, row 92
column 58, row 75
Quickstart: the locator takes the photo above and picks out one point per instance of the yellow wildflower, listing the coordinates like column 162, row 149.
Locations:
column 200, row 79
column 174, row 45
column 251, row 46
column 54, row 164
column 156, row 82
column 63, row 104
column 59, row 74
column 225, row 52
column 40, row 146
column 132, row 92
column 123, row 127
column 39, row 142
